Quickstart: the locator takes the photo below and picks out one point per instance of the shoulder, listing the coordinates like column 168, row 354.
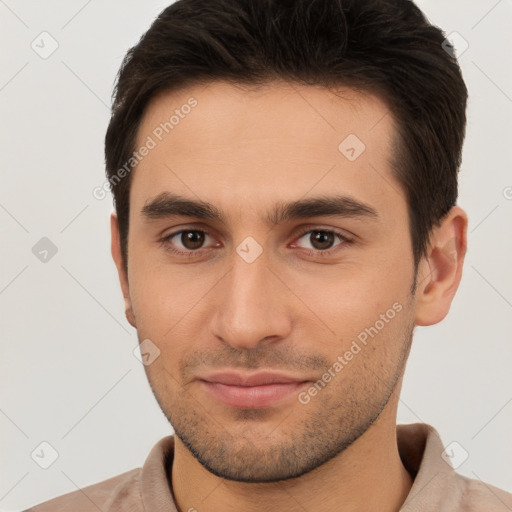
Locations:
column 437, row 486
column 478, row 495
column 118, row 493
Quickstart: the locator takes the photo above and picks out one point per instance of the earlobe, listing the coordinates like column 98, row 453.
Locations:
column 118, row 260
column 439, row 273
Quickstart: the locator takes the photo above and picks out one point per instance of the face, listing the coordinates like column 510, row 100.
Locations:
column 271, row 265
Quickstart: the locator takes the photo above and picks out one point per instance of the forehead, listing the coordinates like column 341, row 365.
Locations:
column 224, row 111
column 281, row 139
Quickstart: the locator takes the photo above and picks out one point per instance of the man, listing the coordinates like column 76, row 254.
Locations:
column 285, row 181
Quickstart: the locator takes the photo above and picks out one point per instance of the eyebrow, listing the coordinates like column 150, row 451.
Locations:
column 167, row 205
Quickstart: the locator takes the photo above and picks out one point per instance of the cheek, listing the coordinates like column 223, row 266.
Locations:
column 157, row 289
column 367, row 312
column 168, row 300
column 352, row 294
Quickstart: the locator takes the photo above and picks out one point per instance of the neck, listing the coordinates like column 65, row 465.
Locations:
column 368, row 475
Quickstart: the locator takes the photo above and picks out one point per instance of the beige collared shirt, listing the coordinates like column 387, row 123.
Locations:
column 436, row 488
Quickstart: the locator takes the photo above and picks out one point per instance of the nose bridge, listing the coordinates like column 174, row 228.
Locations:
column 251, row 307
column 250, row 279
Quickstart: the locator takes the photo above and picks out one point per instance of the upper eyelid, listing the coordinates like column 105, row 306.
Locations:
column 337, row 231
column 302, row 228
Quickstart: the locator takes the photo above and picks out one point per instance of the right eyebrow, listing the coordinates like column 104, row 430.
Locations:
column 168, row 205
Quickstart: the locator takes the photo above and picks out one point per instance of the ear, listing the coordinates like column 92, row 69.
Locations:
column 118, row 260
column 439, row 273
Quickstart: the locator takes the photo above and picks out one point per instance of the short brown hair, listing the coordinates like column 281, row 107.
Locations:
column 384, row 47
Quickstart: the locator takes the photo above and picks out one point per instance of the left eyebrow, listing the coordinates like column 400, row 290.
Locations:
column 330, row 206
column 167, row 205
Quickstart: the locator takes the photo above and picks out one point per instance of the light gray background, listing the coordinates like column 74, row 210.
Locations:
column 68, row 375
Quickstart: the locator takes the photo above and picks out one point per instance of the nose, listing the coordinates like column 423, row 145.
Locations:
column 252, row 306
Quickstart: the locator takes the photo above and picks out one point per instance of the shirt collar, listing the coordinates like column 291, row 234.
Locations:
column 436, row 485
column 155, row 484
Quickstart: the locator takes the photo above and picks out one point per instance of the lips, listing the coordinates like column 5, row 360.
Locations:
column 262, row 389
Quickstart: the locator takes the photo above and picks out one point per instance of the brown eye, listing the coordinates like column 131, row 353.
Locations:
column 322, row 240
column 188, row 242
column 192, row 239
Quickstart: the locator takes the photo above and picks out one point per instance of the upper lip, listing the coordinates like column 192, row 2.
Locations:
column 255, row 379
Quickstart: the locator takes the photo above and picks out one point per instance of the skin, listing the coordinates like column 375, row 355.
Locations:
column 243, row 150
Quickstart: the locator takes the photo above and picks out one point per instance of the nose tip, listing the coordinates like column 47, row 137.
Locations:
column 247, row 342
column 248, row 325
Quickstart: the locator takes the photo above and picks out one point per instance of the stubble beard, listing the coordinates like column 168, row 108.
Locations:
column 329, row 424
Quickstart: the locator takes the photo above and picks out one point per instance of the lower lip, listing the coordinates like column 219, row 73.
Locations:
column 253, row 397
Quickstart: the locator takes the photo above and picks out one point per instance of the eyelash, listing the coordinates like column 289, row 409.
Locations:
column 164, row 241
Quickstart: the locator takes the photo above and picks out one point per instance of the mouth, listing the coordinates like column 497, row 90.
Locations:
column 263, row 389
